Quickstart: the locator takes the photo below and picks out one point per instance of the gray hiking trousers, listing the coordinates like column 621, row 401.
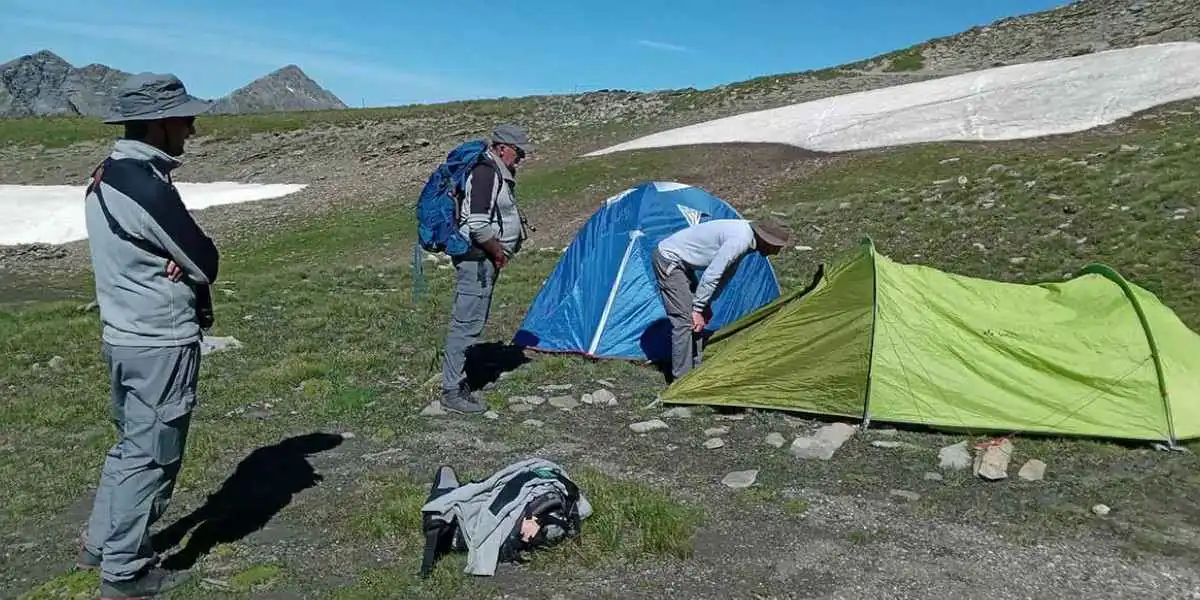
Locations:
column 678, row 288
column 153, row 394
column 474, row 284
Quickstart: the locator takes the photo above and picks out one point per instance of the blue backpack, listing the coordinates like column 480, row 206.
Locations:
column 437, row 207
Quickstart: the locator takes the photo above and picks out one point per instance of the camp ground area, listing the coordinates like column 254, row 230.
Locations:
column 972, row 372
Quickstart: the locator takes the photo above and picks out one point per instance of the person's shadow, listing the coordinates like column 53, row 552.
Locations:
column 487, row 361
column 261, row 486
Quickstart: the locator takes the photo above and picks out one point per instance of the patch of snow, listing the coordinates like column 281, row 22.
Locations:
column 53, row 214
column 1013, row 102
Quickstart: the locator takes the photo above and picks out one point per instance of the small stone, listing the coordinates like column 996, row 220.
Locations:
column 210, row 344
column 887, row 444
column 532, row 423
column 587, row 399
column 434, row 409
column 822, row 444
column 55, row 362
column 648, row 426
column 740, row 479
column 348, row 435
column 606, row 383
column 933, row 476
column 604, row 398
column 679, row 412
column 1032, row 470
column 715, row 431
column 564, row 402
column 491, row 414
column 776, row 439
column 907, row 495
column 714, row 443
column 992, row 462
column 955, row 457
column 1101, row 509
column 962, row 180
column 1130, row 148
column 520, row 408
column 996, row 168
column 561, row 387
column 1016, row 260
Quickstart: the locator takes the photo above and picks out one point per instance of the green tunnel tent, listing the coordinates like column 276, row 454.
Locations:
column 878, row 340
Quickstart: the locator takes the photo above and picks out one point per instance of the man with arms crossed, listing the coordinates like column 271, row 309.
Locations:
column 153, row 267
column 715, row 246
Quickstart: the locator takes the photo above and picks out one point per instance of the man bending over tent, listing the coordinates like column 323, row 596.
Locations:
column 716, row 247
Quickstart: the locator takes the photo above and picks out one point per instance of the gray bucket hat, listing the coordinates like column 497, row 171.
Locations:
column 513, row 136
column 150, row 96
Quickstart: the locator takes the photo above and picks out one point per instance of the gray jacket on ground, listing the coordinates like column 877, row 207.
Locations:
column 488, row 510
column 141, row 224
column 489, row 209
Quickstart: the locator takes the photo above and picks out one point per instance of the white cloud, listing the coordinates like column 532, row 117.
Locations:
column 663, row 46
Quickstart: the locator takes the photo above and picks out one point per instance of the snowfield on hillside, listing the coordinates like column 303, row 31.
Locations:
column 1019, row 101
column 53, row 214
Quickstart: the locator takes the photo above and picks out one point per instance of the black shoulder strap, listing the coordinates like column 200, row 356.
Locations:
column 120, row 168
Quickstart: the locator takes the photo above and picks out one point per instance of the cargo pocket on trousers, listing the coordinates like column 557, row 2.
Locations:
column 171, row 427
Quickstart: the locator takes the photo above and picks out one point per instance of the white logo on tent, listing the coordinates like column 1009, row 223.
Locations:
column 692, row 215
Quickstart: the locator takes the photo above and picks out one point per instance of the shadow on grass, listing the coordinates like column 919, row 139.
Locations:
column 488, row 361
column 262, row 485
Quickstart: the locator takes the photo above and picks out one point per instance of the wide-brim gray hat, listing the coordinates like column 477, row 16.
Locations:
column 151, row 96
column 513, row 136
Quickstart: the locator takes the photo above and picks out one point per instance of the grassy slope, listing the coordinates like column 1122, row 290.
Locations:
column 335, row 342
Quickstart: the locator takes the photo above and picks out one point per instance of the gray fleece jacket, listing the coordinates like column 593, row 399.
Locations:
column 141, row 224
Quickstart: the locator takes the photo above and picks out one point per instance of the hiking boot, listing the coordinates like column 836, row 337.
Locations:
column 86, row 560
column 461, row 401
column 150, row 583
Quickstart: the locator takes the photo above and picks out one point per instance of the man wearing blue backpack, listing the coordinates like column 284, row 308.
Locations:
column 468, row 210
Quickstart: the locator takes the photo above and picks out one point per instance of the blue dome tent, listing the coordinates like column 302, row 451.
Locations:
column 602, row 301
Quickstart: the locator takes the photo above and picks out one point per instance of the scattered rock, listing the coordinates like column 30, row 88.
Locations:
column 55, row 362
column 933, row 476
column 1032, row 470
column 955, row 457
column 776, row 439
column 606, row 383
column 992, row 462
column 1130, row 148
column 996, row 168
column 648, row 426
column 887, row 444
column 491, row 414
column 532, row 423
column 564, row 402
column 822, row 444
column 732, row 417
column 679, row 412
column 530, row 400
column 212, row 344
column 604, row 398
column 1016, row 260
column 907, row 495
column 1101, row 509
column 434, row 409
column 348, row 435
column 740, row 479
column 561, row 387
column 715, row 431
column 714, row 443
column 520, row 408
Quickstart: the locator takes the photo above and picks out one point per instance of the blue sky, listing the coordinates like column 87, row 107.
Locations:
column 379, row 52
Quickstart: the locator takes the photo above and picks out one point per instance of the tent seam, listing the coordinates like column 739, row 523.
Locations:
column 871, row 339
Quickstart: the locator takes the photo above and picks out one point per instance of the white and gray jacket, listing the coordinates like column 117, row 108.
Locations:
column 488, row 511
column 140, row 225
